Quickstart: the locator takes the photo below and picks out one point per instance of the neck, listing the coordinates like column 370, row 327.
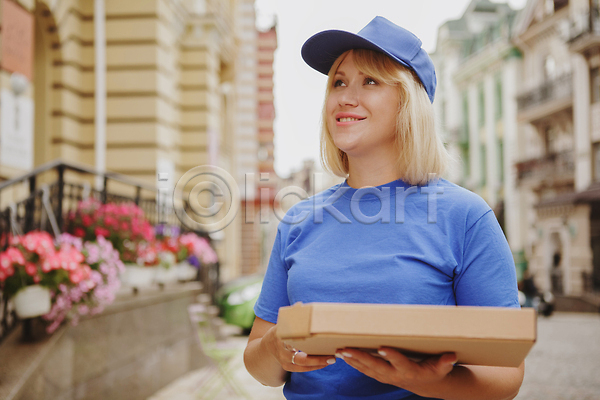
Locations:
column 371, row 172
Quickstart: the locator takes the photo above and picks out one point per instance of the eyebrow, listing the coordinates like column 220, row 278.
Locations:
column 342, row 73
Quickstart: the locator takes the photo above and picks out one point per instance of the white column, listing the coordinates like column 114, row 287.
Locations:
column 100, row 90
column 491, row 162
column 512, row 195
column 581, row 122
column 474, row 181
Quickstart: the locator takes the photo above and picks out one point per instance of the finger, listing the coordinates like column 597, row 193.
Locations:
column 397, row 359
column 289, row 347
column 441, row 365
column 305, row 360
column 366, row 359
column 296, row 368
column 369, row 365
column 301, row 359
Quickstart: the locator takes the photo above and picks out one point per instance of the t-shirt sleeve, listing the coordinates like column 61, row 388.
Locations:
column 487, row 276
column 274, row 294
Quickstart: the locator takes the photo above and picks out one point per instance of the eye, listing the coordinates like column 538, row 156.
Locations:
column 370, row 81
column 338, row 83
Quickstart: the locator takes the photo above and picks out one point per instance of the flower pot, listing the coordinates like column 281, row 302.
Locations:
column 185, row 271
column 138, row 277
column 165, row 275
column 32, row 301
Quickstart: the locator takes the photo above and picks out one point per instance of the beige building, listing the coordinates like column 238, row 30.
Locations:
column 558, row 134
column 138, row 87
column 258, row 225
column 519, row 104
column 478, row 70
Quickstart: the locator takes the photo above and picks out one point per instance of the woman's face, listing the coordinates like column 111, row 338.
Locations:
column 361, row 113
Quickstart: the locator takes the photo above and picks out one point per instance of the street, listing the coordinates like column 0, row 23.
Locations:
column 564, row 364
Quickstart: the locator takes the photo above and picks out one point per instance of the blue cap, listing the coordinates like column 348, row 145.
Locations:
column 322, row 49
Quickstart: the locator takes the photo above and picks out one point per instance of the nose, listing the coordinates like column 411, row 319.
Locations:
column 349, row 96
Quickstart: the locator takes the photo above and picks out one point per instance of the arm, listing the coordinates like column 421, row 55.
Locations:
column 478, row 382
column 436, row 377
column 485, row 277
column 268, row 359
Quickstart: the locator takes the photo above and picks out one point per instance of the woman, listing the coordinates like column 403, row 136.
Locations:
column 391, row 233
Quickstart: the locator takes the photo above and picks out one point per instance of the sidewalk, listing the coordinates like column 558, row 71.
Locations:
column 188, row 388
column 563, row 365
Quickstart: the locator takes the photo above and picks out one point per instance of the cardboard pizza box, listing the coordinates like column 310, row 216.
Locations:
column 493, row 336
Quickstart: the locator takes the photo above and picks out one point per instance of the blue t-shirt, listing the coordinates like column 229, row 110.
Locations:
column 435, row 244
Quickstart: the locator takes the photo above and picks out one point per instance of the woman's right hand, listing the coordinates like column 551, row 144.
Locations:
column 290, row 359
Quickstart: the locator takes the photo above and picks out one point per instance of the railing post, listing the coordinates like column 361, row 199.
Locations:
column 30, row 206
column 105, row 190
column 61, row 194
column 590, row 20
column 138, row 195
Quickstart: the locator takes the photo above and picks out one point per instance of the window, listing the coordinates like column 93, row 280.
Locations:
column 550, row 139
column 500, row 155
column 595, row 84
column 465, row 155
column 465, row 117
column 596, row 160
column 443, row 112
column 549, row 68
column 464, row 135
column 483, row 159
column 481, row 105
column 498, row 91
column 558, row 4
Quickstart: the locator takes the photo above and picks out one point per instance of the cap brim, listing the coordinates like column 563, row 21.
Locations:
column 322, row 49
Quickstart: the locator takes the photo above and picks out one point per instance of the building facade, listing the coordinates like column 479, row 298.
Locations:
column 478, row 72
column 258, row 224
column 137, row 87
column 519, row 106
column 557, row 138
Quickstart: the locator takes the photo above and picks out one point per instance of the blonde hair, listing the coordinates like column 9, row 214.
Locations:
column 420, row 150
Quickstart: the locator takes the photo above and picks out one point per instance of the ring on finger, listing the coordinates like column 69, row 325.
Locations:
column 294, row 357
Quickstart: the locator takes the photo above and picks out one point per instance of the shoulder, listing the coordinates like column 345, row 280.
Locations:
column 301, row 214
column 460, row 202
column 307, row 205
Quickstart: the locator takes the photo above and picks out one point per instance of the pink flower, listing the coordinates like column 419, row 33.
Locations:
column 31, row 269
column 199, row 247
column 15, row 256
column 4, row 274
column 76, row 276
column 50, row 263
column 86, row 220
column 79, row 232
column 102, row 232
column 5, row 261
column 110, row 221
column 53, row 326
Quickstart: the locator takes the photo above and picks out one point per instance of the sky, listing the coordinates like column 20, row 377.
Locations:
column 299, row 89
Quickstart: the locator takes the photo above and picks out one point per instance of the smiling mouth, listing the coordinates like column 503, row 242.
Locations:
column 348, row 119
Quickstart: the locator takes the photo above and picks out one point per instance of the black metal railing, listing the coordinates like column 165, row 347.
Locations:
column 556, row 89
column 554, row 166
column 55, row 189
column 585, row 23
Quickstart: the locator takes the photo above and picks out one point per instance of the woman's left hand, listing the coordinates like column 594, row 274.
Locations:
column 394, row 368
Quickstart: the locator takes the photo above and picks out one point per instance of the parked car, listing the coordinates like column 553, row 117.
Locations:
column 236, row 300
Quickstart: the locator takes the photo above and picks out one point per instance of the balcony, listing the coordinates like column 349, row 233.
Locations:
column 552, row 169
column 546, row 99
column 584, row 31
